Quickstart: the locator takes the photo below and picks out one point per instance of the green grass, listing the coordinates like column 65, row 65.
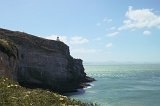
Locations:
column 12, row 94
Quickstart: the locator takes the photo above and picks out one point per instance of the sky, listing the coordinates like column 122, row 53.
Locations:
column 95, row 30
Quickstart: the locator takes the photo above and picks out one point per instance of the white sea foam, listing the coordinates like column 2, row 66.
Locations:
column 88, row 87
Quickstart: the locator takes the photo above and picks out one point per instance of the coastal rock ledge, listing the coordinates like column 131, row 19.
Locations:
column 39, row 63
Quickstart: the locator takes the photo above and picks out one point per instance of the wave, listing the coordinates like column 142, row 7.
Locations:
column 88, row 87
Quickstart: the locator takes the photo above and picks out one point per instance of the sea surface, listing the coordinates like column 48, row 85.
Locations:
column 122, row 85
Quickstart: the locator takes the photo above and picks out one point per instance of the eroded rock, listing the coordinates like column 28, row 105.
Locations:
column 38, row 62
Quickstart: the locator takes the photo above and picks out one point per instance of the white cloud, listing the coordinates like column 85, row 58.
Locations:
column 83, row 51
column 78, row 40
column 73, row 40
column 140, row 18
column 146, row 32
column 109, row 45
column 52, row 37
column 111, row 28
column 113, row 34
column 105, row 20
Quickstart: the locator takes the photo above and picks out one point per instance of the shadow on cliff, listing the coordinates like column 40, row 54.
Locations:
column 36, row 62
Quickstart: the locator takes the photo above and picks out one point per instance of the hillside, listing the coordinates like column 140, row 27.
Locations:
column 11, row 94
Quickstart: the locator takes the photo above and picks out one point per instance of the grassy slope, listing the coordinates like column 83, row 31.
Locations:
column 11, row 94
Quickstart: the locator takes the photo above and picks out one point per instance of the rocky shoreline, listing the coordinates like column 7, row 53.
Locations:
column 36, row 62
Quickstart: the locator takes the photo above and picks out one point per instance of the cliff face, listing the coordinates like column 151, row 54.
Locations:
column 38, row 62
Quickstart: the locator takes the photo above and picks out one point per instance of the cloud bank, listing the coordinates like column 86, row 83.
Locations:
column 140, row 18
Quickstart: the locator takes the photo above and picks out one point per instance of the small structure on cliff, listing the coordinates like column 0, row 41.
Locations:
column 58, row 39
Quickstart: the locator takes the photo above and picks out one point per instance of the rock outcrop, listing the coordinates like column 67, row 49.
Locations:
column 37, row 62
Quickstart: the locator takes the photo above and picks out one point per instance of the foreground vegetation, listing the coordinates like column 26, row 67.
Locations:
column 11, row 94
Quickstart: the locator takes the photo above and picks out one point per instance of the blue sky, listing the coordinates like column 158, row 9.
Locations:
column 95, row 30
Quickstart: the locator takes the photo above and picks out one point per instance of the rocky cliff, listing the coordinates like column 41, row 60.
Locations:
column 37, row 62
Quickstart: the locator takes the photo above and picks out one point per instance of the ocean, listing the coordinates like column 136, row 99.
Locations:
column 122, row 85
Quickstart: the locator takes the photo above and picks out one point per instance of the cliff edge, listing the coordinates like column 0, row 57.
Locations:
column 37, row 62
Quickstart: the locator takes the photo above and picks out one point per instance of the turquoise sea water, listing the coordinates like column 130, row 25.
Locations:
column 122, row 85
